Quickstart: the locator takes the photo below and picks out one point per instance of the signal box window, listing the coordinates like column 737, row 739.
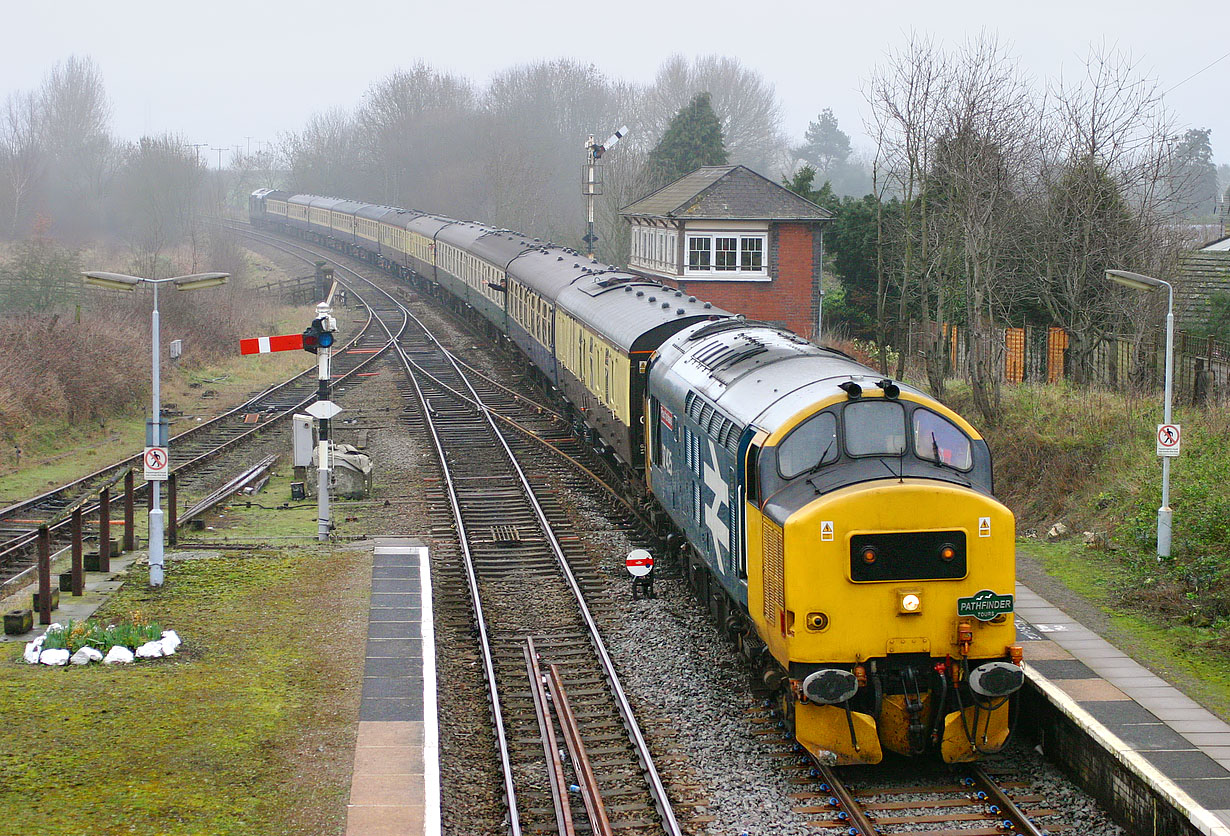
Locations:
column 938, row 440
column 726, row 254
column 874, row 428
column 751, row 254
column 809, row 445
column 698, row 253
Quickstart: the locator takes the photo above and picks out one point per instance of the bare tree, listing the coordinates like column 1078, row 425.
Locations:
column 1102, row 189
column 321, row 157
column 159, row 195
column 540, row 116
column 21, row 156
column 75, row 115
column 905, row 97
column 418, row 136
column 981, row 153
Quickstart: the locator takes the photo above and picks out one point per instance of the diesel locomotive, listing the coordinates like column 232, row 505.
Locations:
column 840, row 525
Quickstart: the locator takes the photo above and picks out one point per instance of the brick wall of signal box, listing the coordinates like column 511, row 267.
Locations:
column 789, row 299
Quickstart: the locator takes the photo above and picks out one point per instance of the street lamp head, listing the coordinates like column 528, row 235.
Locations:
column 199, row 280
column 1136, row 281
column 111, row 281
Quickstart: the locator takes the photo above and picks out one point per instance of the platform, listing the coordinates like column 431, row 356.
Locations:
column 1167, row 739
column 395, row 788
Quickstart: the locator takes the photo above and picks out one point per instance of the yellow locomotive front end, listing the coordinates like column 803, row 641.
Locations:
column 887, row 600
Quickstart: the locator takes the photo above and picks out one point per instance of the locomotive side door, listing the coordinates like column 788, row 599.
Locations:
column 744, row 491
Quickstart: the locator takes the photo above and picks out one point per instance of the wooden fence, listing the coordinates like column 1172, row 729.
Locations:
column 1047, row 354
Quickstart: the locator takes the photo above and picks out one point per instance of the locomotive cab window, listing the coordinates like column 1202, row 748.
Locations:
column 809, row 445
column 874, row 428
column 938, row 440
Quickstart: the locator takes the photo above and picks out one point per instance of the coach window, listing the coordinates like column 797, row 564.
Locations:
column 809, row 445
column 874, row 428
column 938, row 440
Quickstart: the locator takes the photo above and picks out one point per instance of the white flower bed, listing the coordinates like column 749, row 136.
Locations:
column 118, row 655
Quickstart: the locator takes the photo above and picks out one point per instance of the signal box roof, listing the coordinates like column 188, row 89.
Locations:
column 726, row 192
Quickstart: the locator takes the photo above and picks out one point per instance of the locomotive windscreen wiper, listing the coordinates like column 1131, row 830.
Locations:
column 939, row 460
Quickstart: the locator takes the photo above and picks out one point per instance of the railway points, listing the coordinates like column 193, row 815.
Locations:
column 446, row 400
column 1198, row 814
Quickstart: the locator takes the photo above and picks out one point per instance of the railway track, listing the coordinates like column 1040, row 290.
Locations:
column 572, row 758
column 909, row 798
column 520, row 579
column 508, row 563
column 195, row 453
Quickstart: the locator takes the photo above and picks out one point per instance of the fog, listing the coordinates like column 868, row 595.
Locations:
column 220, row 73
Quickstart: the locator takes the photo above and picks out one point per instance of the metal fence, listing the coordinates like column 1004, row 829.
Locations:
column 1043, row 354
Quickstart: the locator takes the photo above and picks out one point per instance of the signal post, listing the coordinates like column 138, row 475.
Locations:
column 317, row 339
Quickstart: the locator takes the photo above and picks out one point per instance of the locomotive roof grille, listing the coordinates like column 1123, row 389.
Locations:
column 720, row 354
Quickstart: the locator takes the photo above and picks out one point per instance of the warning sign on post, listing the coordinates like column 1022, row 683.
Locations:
column 156, row 460
column 1168, row 438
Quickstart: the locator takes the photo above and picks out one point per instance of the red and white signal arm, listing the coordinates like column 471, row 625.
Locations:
column 1168, row 439
column 639, row 563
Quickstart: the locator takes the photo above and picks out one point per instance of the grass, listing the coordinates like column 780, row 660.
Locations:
column 249, row 729
column 55, row 453
column 1177, row 651
column 266, row 517
column 1087, row 458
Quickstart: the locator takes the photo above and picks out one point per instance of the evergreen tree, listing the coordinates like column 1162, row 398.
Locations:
column 825, row 145
column 693, row 139
column 801, row 184
column 1195, row 174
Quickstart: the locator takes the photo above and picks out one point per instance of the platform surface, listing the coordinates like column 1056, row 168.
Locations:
column 395, row 788
column 1167, row 734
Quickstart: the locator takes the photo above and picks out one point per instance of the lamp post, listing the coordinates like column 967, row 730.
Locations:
column 1136, row 281
column 119, row 281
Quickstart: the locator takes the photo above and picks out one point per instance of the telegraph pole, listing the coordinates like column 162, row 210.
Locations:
column 219, row 150
column 591, row 181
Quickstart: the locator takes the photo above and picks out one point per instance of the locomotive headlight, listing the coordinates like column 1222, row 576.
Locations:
column 947, row 552
column 910, row 603
column 869, row 554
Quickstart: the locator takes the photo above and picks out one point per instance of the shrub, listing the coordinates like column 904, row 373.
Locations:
column 78, row 634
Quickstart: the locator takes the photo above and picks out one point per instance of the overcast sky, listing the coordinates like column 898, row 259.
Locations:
column 227, row 72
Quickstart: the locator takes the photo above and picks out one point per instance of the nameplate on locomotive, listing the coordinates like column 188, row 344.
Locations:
column 984, row 605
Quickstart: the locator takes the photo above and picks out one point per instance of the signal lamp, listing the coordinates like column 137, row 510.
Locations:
column 911, row 602
column 869, row 555
column 947, row 552
column 317, row 335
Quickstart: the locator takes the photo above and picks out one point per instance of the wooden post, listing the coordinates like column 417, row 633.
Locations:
column 130, row 496
column 78, row 568
column 44, row 575
column 104, row 530
column 172, row 511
